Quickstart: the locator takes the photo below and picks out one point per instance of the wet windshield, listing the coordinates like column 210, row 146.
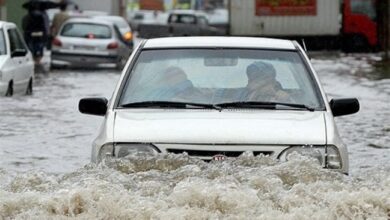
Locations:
column 215, row 76
column 3, row 49
column 86, row 30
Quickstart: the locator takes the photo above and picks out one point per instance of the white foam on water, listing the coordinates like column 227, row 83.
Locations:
column 177, row 187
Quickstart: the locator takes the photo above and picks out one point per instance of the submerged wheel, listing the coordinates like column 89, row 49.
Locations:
column 10, row 89
column 29, row 90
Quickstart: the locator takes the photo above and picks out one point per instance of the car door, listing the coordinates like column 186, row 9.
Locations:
column 204, row 29
column 20, row 59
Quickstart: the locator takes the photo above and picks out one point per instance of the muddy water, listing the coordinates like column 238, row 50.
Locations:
column 45, row 145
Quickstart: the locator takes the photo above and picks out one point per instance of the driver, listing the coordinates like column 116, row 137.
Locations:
column 262, row 84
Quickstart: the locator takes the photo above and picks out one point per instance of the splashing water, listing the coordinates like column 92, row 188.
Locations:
column 179, row 187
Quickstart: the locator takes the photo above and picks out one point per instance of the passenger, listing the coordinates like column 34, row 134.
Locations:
column 177, row 87
column 59, row 19
column 262, row 84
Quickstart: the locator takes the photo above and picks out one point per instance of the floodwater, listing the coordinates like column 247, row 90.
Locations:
column 45, row 150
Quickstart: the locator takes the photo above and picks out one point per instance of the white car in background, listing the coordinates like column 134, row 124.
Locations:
column 89, row 42
column 218, row 97
column 16, row 62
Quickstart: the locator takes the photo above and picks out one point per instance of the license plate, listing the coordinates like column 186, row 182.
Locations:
column 84, row 47
column 219, row 157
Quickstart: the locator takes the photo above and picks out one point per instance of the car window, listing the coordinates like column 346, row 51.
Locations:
column 365, row 7
column 202, row 21
column 86, row 30
column 15, row 40
column 223, row 75
column 3, row 47
column 138, row 16
column 185, row 19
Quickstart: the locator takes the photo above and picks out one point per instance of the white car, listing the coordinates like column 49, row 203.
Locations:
column 89, row 42
column 217, row 97
column 16, row 62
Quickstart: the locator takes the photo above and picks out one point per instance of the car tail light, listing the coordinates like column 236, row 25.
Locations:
column 113, row 45
column 128, row 36
column 57, row 42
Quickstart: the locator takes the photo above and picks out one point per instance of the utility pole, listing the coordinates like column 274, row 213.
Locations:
column 386, row 29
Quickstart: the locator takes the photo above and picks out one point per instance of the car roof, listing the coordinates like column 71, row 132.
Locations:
column 228, row 42
column 88, row 20
column 5, row 23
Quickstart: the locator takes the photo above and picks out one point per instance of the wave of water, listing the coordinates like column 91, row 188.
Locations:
column 178, row 187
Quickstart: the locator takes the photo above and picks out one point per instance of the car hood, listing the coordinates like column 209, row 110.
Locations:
column 214, row 127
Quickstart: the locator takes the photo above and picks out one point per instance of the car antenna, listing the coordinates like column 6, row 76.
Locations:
column 304, row 45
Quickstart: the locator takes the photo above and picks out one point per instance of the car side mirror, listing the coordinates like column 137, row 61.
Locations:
column 93, row 106
column 19, row 53
column 342, row 107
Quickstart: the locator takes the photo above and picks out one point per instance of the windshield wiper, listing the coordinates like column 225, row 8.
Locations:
column 169, row 104
column 267, row 105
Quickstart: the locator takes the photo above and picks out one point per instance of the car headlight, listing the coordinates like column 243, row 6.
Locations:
column 122, row 150
column 119, row 150
column 106, row 151
column 333, row 159
column 327, row 156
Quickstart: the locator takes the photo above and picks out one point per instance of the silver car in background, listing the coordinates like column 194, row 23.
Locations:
column 218, row 97
column 89, row 42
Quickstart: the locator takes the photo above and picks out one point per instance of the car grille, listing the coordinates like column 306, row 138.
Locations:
column 209, row 154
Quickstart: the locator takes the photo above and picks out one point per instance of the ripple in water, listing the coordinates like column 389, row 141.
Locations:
column 178, row 187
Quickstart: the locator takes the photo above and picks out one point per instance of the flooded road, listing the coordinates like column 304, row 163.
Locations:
column 45, row 148
column 46, row 131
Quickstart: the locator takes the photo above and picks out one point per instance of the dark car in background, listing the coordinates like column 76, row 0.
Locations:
column 181, row 23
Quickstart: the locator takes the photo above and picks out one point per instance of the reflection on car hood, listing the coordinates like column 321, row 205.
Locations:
column 214, row 127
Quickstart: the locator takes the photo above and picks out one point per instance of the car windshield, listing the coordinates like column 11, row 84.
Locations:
column 3, row 49
column 219, row 77
column 86, row 30
column 365, row 7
